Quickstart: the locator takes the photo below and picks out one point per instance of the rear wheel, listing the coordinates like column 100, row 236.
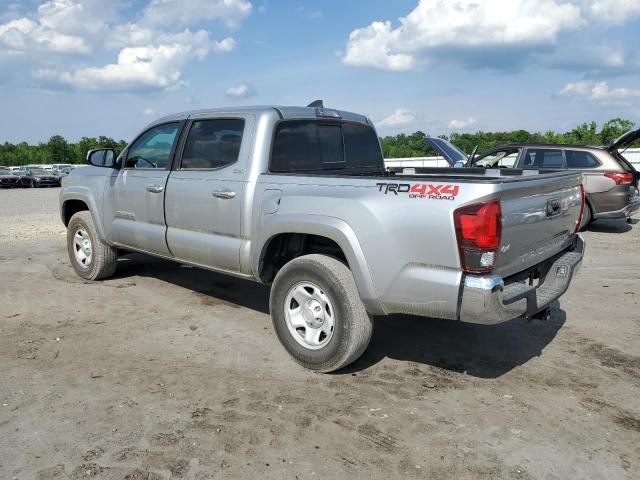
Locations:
column 587, row 216
column 317, row 313
column 91, row 258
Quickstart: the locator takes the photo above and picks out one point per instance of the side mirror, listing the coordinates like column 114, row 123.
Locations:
column 102, row 157
column 459, row 164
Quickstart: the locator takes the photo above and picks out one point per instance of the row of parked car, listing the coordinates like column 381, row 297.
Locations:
column 31, row 176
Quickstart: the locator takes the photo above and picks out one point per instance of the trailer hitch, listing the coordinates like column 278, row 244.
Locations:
column 543, row 315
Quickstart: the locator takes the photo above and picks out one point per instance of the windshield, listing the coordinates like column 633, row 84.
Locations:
column 4, row 171
column 37, row 171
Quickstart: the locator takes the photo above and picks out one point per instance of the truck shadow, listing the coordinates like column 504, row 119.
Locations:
column 482, row 351
column 211, row 288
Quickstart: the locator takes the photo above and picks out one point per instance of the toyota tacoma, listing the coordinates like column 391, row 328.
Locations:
column 298, row 198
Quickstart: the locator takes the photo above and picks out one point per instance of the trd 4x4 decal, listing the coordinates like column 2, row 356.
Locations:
column 421, row 190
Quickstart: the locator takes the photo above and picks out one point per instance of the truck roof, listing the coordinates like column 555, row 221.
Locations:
column 284, row 112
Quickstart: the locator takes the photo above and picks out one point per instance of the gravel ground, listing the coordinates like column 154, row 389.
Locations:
column 167, row 372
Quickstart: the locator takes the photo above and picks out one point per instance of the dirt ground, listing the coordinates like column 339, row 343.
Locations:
column 168, row 371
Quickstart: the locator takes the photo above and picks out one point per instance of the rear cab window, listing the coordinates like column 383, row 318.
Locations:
column 323, row 146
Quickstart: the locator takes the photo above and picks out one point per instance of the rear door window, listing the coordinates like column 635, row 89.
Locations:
column 580, row 159
column 213, row 143
column 542, row 159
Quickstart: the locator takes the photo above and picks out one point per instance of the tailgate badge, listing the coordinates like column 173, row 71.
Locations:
column 505, row 248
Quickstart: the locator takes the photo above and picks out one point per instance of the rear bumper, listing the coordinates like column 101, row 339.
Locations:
column 629, row 209
column 486, row 299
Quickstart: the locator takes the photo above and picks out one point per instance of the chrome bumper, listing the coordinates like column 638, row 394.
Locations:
column 488, row 301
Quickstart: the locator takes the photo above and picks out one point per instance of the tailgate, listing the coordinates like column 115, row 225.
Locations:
column 539, row 216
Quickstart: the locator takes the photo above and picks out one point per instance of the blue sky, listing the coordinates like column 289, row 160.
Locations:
column 90, row 67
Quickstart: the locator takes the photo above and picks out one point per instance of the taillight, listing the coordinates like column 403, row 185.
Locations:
column 621, row 178
column 581, row 209
column 478, row 231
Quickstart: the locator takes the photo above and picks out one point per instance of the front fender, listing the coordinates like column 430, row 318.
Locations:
column 84, row 194
column 330, row 227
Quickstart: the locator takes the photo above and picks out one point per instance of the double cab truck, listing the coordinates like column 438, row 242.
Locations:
column 298, row 198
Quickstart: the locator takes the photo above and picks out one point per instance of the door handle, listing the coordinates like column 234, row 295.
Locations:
column 154, row 188
column 224, row 194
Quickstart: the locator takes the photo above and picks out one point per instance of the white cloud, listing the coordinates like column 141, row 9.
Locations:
column 60, row 27
column 613, row 11
column 599, row 91
column 241, row 90
column 144, row 68
column 459, row 26
column 602, row 92
column 580, row 88
column 372, row 46
column 191, row 12
column 25, row 36
column 461, row 124
column 130, row 35
column 152, row 50
column 397, row 119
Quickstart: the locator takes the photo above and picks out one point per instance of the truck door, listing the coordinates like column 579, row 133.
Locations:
column 134, row 200
column 205, row 193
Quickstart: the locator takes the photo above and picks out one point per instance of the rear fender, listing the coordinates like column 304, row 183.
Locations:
column 330, row 227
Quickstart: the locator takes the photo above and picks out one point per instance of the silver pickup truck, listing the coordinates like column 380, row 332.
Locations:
column 298, row 198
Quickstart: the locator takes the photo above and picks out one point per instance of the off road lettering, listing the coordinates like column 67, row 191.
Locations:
column 421, row 190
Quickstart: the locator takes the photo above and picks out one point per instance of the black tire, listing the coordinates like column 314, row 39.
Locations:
column 587, row 217
column 103, row 257
column 353, row 326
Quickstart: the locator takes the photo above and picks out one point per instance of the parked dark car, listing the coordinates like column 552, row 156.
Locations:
column 38, row 177
column 610, row 181
column 8, row 179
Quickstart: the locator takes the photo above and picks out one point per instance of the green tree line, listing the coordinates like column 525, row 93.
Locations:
column 413, row 145
column 56, row 150
column 59, row 150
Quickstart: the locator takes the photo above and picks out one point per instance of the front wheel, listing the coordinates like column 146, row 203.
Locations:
column 90, row 257
column 317, row 313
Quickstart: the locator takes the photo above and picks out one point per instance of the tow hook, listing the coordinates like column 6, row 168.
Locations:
column 542, row 315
